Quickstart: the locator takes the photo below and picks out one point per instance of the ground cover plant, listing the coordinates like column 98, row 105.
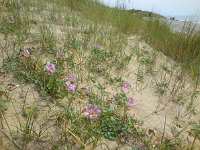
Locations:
column 72, row 79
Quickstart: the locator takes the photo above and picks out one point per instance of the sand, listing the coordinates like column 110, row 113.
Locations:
column 182, row 26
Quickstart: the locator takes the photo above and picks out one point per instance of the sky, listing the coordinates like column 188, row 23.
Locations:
column 163, row 7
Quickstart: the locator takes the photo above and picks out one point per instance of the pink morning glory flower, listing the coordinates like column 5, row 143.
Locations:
column 71, row 77
column 26, row 52
column 131, row 101
column 70, row 86
column 126, row 86
column 50, row 67
column 91, row 111
column 60, row 53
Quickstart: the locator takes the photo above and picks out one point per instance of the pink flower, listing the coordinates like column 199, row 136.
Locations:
column 60, row 53
column 126, row 86
column 26, row 52
column 71, row 77
column 50, row 67
column 91, row 111
column 70, row 86
column 131, row 101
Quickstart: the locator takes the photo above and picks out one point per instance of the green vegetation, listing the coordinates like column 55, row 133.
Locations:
column 145, row 13
column 72, row 78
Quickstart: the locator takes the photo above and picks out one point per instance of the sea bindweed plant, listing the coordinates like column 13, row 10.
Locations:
column 60, row 53
column 71, row 77
column 126, row 87
column 50, row 67
column 91, row 111
column 70, row 86
column 131, row 101
column 48, row 77
column 26, row 52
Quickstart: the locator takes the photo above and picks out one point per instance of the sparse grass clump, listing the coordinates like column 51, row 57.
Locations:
column 181, row 46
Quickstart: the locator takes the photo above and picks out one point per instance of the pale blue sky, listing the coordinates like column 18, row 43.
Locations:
column 164, row 7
